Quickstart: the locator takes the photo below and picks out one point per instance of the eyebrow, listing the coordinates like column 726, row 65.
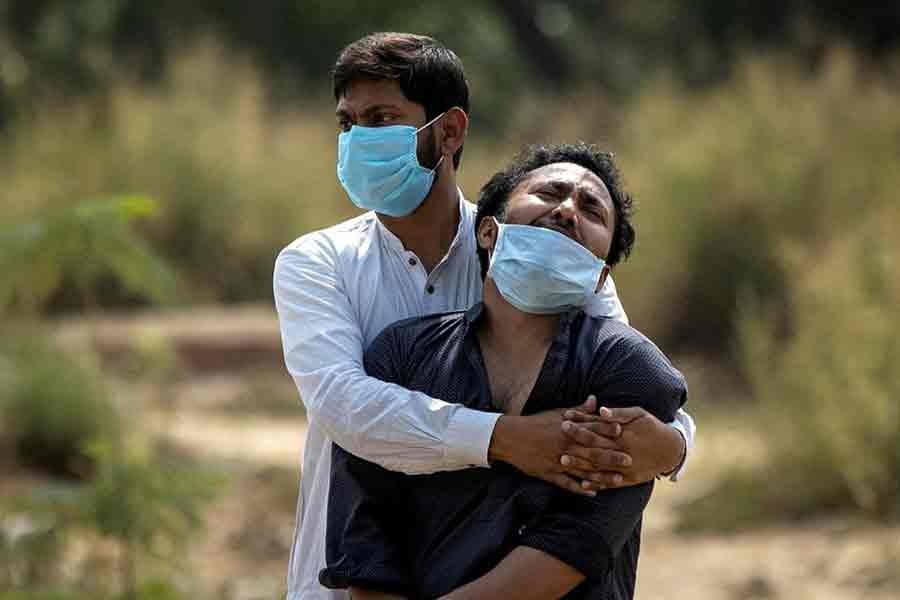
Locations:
column 340, row 112
column 562, row 186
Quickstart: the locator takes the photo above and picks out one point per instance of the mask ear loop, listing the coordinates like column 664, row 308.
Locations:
column 426, row 126
column 492, row 251
column 431, row 122
column 438, row 165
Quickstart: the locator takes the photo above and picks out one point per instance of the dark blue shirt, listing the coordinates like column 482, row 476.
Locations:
column 423, row 536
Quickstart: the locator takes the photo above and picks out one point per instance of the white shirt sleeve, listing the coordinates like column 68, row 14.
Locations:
column 606, row 303
column 387, row 424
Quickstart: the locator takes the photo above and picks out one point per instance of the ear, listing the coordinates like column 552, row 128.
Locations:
column 602, row 281
column 454, row 125
column 486, row 236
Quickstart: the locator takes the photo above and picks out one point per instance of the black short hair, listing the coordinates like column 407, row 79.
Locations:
column 428, row 73
column 494, row 196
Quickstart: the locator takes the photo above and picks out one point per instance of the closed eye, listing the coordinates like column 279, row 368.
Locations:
column 592, row 206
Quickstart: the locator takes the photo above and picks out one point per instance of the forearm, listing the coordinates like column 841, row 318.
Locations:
column 544, row 575
column 396, row 428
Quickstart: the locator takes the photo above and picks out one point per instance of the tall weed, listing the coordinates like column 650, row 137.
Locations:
column 827, row 394
column 727, row 177
column 52, row 404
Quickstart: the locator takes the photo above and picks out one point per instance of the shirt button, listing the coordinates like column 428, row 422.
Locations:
column 412, row 262
column 430, row 289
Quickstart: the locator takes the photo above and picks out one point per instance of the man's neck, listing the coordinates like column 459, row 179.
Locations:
column 514, row 345
column 429, row 230
column 509, row 329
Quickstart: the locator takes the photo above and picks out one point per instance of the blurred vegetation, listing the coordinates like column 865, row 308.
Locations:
column 148, row 505
column 139, row 499
column 727, row 178
column 52, row 404
column 82, row 256
column 234, row 183
column 761, row 141
column 58, row 416
column 61, row 48
column 827, row 394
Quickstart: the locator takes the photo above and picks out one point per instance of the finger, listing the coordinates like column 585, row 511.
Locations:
column 624, row 414
column 603, row 459
column 567, row 483
column 584, row 435
column 602, row 481
column 589, row 406
column 576, row 466
column 580, row 417
column 603, row 428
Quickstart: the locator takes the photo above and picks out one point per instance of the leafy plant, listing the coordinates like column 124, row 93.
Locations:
column 79, row 247
column 52, row 403
column 146, row 503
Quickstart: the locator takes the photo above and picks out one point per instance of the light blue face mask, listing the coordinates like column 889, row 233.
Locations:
column 379, row 169
column 541, row 271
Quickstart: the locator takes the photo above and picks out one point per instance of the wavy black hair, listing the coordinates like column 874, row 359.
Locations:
column 494, row 196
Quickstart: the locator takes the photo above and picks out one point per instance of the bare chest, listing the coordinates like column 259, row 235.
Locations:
column 512, row 380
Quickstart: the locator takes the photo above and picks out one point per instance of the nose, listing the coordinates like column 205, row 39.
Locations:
column 566, row 211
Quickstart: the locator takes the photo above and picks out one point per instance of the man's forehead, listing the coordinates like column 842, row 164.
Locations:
column 566, row 172
column 364, row 93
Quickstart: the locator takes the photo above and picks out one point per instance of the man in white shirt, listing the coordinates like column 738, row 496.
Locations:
column 402, row 106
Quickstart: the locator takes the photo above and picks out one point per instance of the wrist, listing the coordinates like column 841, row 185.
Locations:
column 501, row 445
column 678, row 451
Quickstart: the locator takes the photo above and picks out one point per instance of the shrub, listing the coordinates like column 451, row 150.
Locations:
column 148, row 504
column 726, row 177
column 52, row 403
column 76, row 252
column 827, row 393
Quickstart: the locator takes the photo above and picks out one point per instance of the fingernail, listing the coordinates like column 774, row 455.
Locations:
column 586, row 484
column 565, row 460
column 569, row 414
column 617, row 479
column 567, row 425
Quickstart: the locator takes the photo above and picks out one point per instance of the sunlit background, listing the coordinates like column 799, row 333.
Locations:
column 155, row 156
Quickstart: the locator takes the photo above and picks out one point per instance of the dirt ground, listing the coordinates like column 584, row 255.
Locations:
column 239, row 410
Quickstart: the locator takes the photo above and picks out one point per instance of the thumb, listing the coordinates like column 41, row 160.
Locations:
column 625, row 414
column 589, row 406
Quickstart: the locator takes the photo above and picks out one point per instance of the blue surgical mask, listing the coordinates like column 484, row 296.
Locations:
column 541, row 271
column 380, row 171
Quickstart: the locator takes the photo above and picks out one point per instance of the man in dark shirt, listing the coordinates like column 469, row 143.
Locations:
column 496, row 533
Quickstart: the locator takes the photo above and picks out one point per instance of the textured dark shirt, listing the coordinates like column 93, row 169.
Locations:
column 423, row 536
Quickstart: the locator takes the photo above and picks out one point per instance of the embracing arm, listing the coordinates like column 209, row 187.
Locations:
column 385, row 423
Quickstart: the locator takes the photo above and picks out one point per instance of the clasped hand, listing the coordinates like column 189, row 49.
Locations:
column 584, row 450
